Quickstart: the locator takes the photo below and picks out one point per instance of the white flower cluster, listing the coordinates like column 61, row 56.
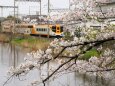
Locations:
column 96, row 64
column 94, row 60
column 108, row 53
column 104, row 60
column 84, row 66
column 39, row 55
column 32, row 60
column 23, row 68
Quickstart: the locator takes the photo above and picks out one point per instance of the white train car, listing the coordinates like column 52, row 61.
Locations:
column 32, row 29
column 48, row 30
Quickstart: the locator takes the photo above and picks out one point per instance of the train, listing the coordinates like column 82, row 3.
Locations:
column 32, row 29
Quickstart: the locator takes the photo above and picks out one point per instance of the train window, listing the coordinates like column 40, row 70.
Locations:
column 45, row 29
column 61, row 30
column 54, row 28
column 30, row 26
column 57, row 28
column 38, row 29
column 42, row 29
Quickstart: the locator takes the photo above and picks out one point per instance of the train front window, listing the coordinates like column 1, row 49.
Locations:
column 61, row 29
column 57, row 28
column 54, row 28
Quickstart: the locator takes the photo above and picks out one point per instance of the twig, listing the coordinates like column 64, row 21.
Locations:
column 55, row 56
column 8, row 79
column 58, row 69
column 103, row 70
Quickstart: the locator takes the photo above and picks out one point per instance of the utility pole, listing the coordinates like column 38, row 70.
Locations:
column 14, row 15
column 17, row 14
column 40, row 8
column 48, row 6
column 48, row 17
column 12, row 31
column 29, row 10
column 69, row 5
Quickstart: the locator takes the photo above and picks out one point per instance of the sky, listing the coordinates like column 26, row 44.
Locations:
column 32, row 7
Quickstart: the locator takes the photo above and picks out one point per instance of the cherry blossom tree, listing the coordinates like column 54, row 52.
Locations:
column 73, row 50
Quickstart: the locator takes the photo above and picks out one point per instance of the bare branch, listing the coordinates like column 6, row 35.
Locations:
column 103, row 70
column 55, row 56
column 8, row 79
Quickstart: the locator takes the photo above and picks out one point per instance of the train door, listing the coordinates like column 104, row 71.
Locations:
column 57, row 29
column 33, row 30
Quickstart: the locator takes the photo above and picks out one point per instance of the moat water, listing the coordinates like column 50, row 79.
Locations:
column 13, row 55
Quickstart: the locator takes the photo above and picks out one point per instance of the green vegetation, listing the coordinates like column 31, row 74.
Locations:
column 32, row 42
column 67, row 35
column 26, row 41
column 89, row 54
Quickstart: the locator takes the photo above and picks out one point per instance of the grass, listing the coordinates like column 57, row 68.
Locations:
column 32, row 42
column 27, row 41
column 89, row 54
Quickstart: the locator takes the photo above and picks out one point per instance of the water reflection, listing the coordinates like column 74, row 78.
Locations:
column 7, row 54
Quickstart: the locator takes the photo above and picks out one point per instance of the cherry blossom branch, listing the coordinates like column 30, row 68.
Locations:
column 84, row 43
column 100, row 8
column 8, row 79
column 103, row 70
column 76, row 56
column 57, row 69
column 55, row 56
column 110, row 62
